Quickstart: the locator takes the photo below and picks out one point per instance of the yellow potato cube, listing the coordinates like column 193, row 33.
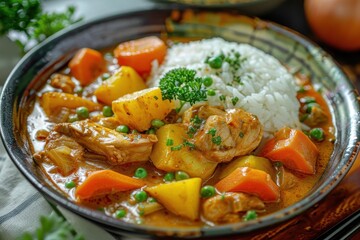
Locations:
column 185, row 159
column 181, row 198
column 138, row 109
column 124, row 81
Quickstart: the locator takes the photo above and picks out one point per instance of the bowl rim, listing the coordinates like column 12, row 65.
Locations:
column 242, row 227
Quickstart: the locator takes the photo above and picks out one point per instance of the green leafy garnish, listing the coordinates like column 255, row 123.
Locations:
column 52, row 227
column 26, row 17
column 182, row 84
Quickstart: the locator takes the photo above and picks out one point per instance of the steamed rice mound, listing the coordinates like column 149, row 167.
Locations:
column 259, row 85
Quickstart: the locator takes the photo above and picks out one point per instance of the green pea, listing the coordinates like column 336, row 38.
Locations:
column 120, row 213
column 156, row 123
column 211, row 92
column 105, row 76
column 151, row 131
column 317, row 134
column 208, row 81
column 107, row 111
column 207, row 191
column 122, row 129
column 181, row 175
column 82, row 112
column 250, row 215
column 70, row 184
column 140, row 173
column 215, row 62
column 73, row 118
column 169, row 177
column 140, row 196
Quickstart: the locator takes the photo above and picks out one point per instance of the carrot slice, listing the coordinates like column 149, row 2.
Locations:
column 106, row 182
column 294, row 149
column 87, row 65
column 140, row 53
column 252, row 181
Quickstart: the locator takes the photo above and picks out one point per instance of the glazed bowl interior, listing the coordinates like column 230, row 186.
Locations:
column 288, row 47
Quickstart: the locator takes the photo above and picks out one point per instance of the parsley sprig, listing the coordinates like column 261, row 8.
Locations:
column 182, row 84
column 53, row 227
column 26, row 17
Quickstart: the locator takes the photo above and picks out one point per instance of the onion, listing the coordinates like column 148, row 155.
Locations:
column 335, row 22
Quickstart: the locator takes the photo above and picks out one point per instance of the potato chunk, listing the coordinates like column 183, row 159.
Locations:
column 138, row 109
column 181, row 198
column 189, row 160
column 124, row 81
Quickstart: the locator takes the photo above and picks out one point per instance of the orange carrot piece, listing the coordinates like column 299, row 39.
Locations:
column 87, row 65
column 106, row 182
column 140, row 53
column 252, row 181
column 294, row 149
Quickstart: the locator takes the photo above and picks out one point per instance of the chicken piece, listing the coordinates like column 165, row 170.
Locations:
column 316, row 117
column 63, row 151
column 202, row 111
column 108, row 122
column 223, row 135
column 117, row 147
column 62, row 82
column 226, row 208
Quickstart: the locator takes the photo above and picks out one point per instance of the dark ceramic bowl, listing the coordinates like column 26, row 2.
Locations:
column 289, row 47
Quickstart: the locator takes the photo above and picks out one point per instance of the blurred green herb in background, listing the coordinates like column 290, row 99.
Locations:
column 52, row 227
column 28, row 18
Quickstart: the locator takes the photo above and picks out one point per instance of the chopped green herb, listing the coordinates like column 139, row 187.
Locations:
column 176, row 148
column 301, row 89
column 212, row 132
column 234, row 100
column 169, row 142
column 241, row 134
column 216, row 140
column 156, row 97
column 188, row 144
column 222, row 98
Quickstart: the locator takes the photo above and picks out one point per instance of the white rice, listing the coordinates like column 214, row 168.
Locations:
column 267, row 89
